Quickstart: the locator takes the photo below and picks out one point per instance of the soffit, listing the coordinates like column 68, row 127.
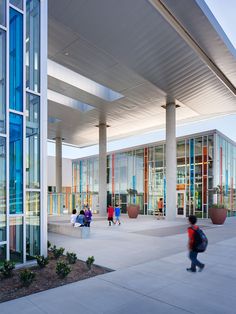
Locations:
column 129, row 47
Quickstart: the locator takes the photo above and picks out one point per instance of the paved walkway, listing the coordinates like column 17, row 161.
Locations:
column 150, row 259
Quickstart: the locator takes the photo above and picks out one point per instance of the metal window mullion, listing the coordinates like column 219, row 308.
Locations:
column 43, row 124
column 17, row 112
column 28, row 90
column 3, row 135
column 24, row 138
column 4, row 28
column 8, row 134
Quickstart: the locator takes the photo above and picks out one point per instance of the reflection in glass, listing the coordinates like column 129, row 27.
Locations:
column 3, row 253
column 17, row 3
column 32, row 142
column 32, row 224
column 16, row 60
column 3, row 12
column 16, row 239
column 32, row 44
column 16, row 164
column 2, row 80
column 2, row 189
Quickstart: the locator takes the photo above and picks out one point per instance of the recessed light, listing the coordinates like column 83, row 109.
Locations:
column 66, row 53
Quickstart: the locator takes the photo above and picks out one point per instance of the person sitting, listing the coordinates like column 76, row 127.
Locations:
column 73, row 217
column 80, row 219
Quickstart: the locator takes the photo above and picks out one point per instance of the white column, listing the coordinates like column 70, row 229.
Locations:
column 170, row 162
column 58, row 164
column 102, row 169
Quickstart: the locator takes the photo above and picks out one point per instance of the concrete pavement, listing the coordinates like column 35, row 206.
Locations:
column 150, row 260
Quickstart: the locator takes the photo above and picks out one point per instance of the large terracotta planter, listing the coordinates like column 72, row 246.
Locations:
column 218, row 215
column 133, row 210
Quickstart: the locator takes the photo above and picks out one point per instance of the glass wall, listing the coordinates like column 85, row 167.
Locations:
column 3, row 12
column 2, row 81
column 32, row 142
column 17, row 3
column 32, row 45
column 16, row 164
column 32, row 224
column 16, row 239
column 138, row 176
column 16, row 60
column 2, row 189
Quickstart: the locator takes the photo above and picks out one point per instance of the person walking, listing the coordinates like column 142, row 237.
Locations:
column 88, row 216
column 192, row 245
column 160, row 206
column 117, row 214
column 110, row 214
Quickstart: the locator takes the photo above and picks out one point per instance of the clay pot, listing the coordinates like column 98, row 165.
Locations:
column 218, row 215
column 133, row 210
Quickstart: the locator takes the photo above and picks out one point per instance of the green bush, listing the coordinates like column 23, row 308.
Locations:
column 26, row 277
column 7, row 269
column 62, row 269
column 71, row 258
column 90, row 261
column 42, row 261
column 57, row 252
column 49, row 244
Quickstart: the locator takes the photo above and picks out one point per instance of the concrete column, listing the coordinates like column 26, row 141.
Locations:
column 170, row 162
column 58, row 164
column 102, row 169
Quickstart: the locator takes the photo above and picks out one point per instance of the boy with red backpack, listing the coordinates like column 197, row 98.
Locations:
column 197, row 243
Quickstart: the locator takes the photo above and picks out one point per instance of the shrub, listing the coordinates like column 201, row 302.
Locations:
column 62, row 269
column 7, row 269
column 90, row 261
column 49, row 244
column 71, row 258
column 26, row 277
column 57, row 252
column 42, row 261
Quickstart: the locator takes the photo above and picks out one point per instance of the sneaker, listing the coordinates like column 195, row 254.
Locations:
column 201, row 268
column 191, row 270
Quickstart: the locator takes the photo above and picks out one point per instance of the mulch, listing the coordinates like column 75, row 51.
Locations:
column 46, row 278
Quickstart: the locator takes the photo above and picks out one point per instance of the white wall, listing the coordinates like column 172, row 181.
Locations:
column 66, row 171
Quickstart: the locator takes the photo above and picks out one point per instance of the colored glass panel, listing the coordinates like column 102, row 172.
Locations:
column 16, row 239
column 32, row 141
column 3, row 12
column 32, row 224
column 2, row 189
column 2, row 81
column 16, row 164
column 16, row 60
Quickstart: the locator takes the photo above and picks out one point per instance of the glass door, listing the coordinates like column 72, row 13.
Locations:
column 180, row 210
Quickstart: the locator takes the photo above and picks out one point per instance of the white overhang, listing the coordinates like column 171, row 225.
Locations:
column 125, row 58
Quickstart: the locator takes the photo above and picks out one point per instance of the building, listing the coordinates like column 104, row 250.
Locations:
column 205, row 161
column 71, row 71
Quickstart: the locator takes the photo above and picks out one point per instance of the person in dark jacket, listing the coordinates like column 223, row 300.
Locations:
column 87, row 216
column 110, row 214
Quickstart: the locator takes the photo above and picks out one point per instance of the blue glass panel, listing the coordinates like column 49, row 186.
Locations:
column 16, row 164
column 2, row 80
column 16, row 60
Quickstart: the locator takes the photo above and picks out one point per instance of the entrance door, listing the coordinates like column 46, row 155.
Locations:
column 180, row 210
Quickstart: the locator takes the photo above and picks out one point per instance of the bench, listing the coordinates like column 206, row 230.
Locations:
column 68, row 230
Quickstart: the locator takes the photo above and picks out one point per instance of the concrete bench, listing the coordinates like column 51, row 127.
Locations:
column 68, row 230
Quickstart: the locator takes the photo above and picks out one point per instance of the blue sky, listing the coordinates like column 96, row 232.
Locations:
column 225, row 13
